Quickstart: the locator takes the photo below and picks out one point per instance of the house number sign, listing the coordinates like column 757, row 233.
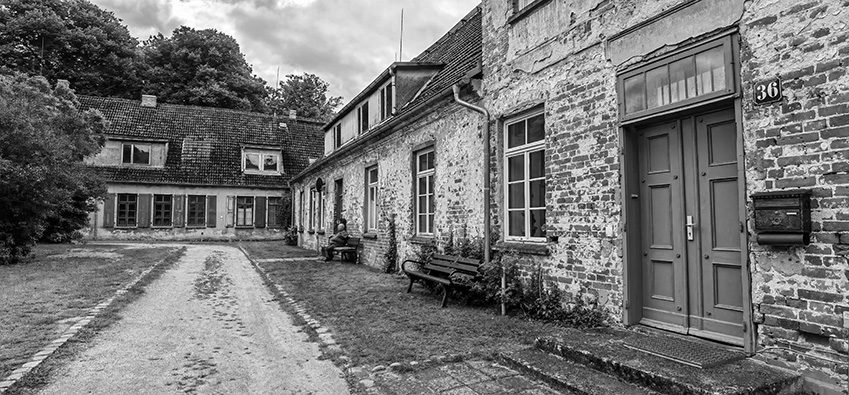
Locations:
column 768, row 91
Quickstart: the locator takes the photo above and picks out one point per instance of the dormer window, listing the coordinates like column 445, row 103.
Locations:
column 337, row 135
column 386, row 102
column 362, row 118
column 260, row 161
column 136, row 154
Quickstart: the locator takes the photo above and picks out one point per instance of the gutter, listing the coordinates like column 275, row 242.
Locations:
column 486, row 188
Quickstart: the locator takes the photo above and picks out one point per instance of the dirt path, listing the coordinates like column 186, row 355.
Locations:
column 207, row 326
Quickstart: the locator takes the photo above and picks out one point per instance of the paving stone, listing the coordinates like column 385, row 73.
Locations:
column 460, row 391
column 30, row 365
column 464, row 373
column 516, row 383
column 492, row 369
column 440, row 382
column 378, row 368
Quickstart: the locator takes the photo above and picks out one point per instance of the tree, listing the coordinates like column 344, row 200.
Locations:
column 306, row 94
column 42, row 175
column 72, row 40
column 201, row 67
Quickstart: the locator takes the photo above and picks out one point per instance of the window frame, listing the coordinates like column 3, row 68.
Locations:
column 387, row 99
column 189, row 212
column 370, row 206
column 301, row 207
column 430, row 174
column 262, row 153
column 362, row 118
column 132, row 161
column 311, row 217
column 519, row 13
column 317, row 209
column 155, row 211
column 524, row 150
column 135, row 211
column 238, row 203
column 337, row 135
column 731, row 89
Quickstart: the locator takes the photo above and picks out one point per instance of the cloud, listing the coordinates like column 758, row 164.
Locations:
column 345, row 42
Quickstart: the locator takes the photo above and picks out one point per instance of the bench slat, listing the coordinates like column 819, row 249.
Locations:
column 458, row 266
column 440, row 280
column 469, row 261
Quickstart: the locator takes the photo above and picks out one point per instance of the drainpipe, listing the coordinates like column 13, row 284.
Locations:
column 486, row 188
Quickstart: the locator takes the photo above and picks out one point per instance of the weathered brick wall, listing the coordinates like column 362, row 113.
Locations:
column 456, row 134
column 801, row 295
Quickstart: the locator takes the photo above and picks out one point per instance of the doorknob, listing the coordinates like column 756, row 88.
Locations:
column 690, row 225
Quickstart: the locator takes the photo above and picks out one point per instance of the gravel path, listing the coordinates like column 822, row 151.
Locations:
column 208, row 325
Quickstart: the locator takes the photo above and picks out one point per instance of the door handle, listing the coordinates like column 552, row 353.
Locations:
column 690, row 225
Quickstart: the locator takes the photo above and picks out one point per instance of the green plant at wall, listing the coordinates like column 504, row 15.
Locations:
column 390, row 257
column 291, row 236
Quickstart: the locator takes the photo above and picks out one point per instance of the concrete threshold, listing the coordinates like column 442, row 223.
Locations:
column 601, row 354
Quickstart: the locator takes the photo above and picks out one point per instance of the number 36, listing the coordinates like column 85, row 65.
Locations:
column 767, row 91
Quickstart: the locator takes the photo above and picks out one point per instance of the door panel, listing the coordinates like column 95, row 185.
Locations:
column 692, row 279
column 663, row 271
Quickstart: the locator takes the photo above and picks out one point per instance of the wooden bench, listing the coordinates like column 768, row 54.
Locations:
column 351, row 248
column 439, row 270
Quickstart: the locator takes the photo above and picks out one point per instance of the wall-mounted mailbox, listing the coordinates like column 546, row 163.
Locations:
column 783, row 217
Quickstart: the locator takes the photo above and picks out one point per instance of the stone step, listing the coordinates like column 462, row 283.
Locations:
column 603, row 350
column 568, row 376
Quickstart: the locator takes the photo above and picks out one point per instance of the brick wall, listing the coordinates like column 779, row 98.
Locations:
column 456, row 134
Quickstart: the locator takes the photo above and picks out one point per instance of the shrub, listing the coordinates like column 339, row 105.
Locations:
column 390, row 257
column 291, row 236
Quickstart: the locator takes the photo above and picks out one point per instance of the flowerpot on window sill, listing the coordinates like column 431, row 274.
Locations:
column 424, row 240
column 370, row 235
column 321, row 232
column 523, row 247
column 311, row 231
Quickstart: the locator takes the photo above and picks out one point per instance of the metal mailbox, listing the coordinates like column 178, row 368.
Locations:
column 783, row 217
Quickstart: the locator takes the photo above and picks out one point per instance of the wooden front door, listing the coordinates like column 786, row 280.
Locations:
column 690, row 227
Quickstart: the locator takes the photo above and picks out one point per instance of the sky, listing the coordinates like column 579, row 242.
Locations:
column 345, row 42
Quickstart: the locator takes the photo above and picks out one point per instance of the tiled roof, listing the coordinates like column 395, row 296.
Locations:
column 459, row 50
column 205, row 143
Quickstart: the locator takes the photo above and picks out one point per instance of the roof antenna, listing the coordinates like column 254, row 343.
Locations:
column 401, row 44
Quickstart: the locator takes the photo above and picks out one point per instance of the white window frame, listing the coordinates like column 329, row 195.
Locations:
column 387, row 109
column 362, row 117
column 153, row 211
column 205, row 201
column 371, row 199
column 523, row 150
column 253, row 212
column 337, row 136
column 262, row 155
column 429, row 173
column 117, row 211
column 132, row 149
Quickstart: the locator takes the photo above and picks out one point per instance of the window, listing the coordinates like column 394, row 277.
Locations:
column 312, row 209
column 371, row 199
column 127, row 209
column 196, row 210
column 362, row 118
column 261, row 161
column 162, row 206
column 337, row 135
column 425, row 203
column 137, row 154
column 275, row 212
column 524, row 168
column 697, row 74
column 386, row 102
column 244, row 211
column 316, row 210
column 301, row 205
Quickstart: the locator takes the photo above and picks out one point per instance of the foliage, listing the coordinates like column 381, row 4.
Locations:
column 390, row 257
column 306, row 94
column 73, row 40
column 546, row 303
column 43, row 181
column 201, row 67
column 291, row 236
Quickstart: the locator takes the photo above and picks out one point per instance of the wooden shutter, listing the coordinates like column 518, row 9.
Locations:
column 259, row 209
column 109, row 211
column 179, row 211
column 211, row 220
column 231, row 208
column 144, row 201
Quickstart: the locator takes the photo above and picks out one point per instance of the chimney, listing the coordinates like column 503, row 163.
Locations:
column 293, row 114
column 148, row 101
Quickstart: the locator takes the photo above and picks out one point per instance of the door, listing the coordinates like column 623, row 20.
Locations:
column 691, row 253
column 337, row 202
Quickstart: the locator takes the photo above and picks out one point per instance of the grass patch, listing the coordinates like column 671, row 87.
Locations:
column 377, row 322
column 56, row 283
column 275, row 250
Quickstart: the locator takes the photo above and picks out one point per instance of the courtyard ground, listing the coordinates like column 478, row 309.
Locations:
column 41, row 297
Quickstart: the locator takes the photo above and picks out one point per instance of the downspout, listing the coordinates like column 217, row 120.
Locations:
column 486, row 189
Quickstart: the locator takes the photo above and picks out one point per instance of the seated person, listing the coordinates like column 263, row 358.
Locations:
column 339, row 239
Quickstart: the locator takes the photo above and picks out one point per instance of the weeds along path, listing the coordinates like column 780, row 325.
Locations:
column 208, row 325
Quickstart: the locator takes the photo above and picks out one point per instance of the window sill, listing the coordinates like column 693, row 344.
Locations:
column 423, row 240
column 531, row 248
column 370, row 235
column 263, row 173
column 195, row 226
column 300, row 231
column 162, row 227
column 244, row 227
column 521, row 14
column 126, row 227
column 321, row 232
column 311, row 231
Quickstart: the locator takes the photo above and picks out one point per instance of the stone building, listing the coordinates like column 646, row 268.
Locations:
column 188, row 172
column 659, row 122
column 404, row 152
column 630, row 141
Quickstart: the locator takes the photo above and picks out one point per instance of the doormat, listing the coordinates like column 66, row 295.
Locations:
column 683, row 351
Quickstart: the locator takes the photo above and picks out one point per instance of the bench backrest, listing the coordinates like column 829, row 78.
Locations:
column 447, row 264
column 353, row 242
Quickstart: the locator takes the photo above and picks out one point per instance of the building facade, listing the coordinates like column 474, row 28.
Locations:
column 188, row 172
column 649, row 153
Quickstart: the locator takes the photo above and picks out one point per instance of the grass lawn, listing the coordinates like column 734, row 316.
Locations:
column 58, row 282
column 377, row 322
column 276, row 249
